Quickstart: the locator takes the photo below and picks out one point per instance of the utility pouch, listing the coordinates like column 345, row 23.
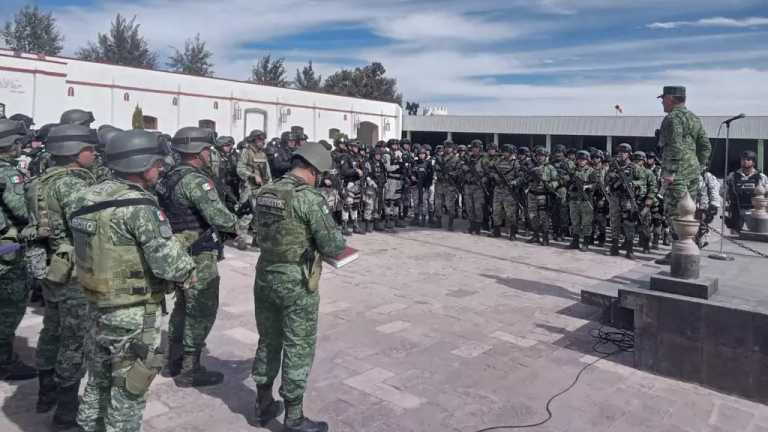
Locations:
column 61, row 268
column 139, row 377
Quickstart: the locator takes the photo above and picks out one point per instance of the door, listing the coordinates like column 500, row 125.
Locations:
column 255, row 118
column 368, row 133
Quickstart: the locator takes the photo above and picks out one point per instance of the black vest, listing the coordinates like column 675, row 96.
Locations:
column 181, row 217
column 745, row 188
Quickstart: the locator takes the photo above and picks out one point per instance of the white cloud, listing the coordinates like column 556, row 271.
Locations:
column 713, row 22
column 431, row 27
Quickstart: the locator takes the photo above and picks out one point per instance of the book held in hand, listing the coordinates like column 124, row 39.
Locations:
column 345, row 257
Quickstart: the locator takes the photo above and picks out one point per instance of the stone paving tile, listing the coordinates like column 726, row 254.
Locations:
column 467, row 332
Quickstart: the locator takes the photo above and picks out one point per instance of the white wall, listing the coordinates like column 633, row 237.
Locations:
column 38, row 87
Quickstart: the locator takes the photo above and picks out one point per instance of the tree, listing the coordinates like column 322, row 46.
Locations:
column 412, row 108
column 367, row 82
column 123, row 45
column 269, row 72
column 306, row 79
column 194, row 60
column 33, row 31
column 137, row 121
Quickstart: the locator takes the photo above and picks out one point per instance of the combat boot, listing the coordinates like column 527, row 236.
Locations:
column 267, row 408
column 345, row 231
column 615, row 246
column 545, row 239
column 665, row 240
column 513, row 232
column 645, row 243
column 66, row 407
column 296, row 422
column 173, row 360
column 450, row 223
column 193, row 374
column 356, row 228
column 601, row 239
column 496, row 232
column 46, row 391
column 368, row 227
column 390, row 227
column 574, row 243
column 400, row 223
column 630, row 254
column 377, row 225
column 13, row 369
column 585, row 243
column 437, row 222
column 534, row 238
column 655, row 242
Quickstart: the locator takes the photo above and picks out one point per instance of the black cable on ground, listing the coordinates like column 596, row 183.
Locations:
column 622, row 340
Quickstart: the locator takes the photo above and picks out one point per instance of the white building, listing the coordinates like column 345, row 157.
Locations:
column 44, row 87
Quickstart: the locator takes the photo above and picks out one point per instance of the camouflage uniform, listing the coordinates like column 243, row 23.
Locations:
column 393, row 189
column 542, row 181
column 253, row 170
column 295, row 231
column 474, row 191
column 581, row 187
column 600, row 200
column 123, row 256
column 446, row 204
column 506, row 174
column 560, row 206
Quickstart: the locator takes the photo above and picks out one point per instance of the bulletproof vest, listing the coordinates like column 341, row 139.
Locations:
column 506, row 169
column 46, row 214
column 473, row 175
column 420, row 168
column 112, row 271
column 378, row 172
column 181, row 217
column 281, row 237
column 397, row 173
column 9, row 171
column 745, row 188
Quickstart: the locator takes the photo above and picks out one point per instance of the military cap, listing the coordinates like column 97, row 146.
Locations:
column 749, row 155
column 582, row 154
column 508, row 148
column 638, row 155
column 192, row 140
column 492, row 146
column 678, row 91
column 77, row 116
column 11, row 131
column 462, row 148
column 341, row 139
column 354, row 142
column 559, row 149
column 380, row 143
column 393, row 142
column 624, row 148
column 317, row 155
column 540, row 151
column 524, row 151
column 476, row 143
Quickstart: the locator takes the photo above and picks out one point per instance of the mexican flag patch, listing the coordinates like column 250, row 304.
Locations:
column 17, row 179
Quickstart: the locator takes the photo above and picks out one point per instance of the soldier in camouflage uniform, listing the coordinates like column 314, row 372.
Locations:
column 125, row 252
column 659, row 229
column 686, row 149
column 645, row 202
column 85, row 118
column 423, row 174
column 560, row 205
column 13, row 285
column 253, row 171
column 507, row 178
column 60, row 346
column 581, row 186
column 296, row 232
column 542, row 181
column 393, row 190
column 351, row 169
column 475, row 187
column 408, row 200
column 450, row 179
column 196, row 215
column 600, row 198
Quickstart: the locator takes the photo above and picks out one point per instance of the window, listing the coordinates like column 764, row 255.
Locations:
column 71, row 92
column 215, row 105
column 126, row 97
column 149, row 122
column 207, row 124
column 332, row 133
column 175, row 101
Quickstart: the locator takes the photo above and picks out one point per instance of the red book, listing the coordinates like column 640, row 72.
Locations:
column 345, row 257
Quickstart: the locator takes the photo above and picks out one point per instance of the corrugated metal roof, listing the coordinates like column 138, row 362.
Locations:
column 642, row 126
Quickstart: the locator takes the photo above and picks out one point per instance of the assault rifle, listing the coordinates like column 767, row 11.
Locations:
column 578, row 184
column 627, row 186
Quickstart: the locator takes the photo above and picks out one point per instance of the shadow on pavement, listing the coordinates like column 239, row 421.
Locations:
column 19, row 408
column 534, row 287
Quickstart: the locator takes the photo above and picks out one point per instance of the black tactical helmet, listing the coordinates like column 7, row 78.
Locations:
column 541, row 151
column 476, row 144
column 317, row 155
column 749, row 155
column 559, row 149
column 651, row 155
column 582, row 155
column 624, row 148
column 492, row 146
column 354, row 143
column 224, row 141
column 598, row 154
column 105, row 133
column 27, row 120
column 70, row 139
column 133, row 151
column 524, row 151
column 405, row 141
column 77, row 116
column 638, row 156
column 11, row 132
column 254, row 135
column 192, row 140
column 571, row 151
column 43, row 131
column 439, row 148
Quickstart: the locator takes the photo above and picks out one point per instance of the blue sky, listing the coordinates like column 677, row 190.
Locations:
column 481, row 56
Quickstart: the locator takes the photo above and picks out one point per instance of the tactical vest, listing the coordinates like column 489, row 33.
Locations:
column 42, row 212
column 112, row 271
column 506, row 168
column 180, row 216
column 281, row 238
column 9, row 171
column 745, row 188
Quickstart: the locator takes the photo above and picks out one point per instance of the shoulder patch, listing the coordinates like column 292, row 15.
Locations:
column 208, row 186
column 268, row 201
column 16, row 179
column 161, row 215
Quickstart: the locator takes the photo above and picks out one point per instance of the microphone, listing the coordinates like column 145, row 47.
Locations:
column 740, row 116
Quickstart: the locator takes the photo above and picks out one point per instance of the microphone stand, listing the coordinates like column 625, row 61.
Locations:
column 722, row 255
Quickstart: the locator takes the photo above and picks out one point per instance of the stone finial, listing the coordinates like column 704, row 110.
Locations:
column 686, row 208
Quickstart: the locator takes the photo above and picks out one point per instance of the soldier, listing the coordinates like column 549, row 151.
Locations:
column 373, row 198
column 226, row 172
column 253, row 172
column 60, row 346
column 506, row 176
column 450, row 172
column 393, row 190
column 352, row 171
column 647, row 182
column 125, row 254
column 560, row 206
column 581, row 187
column 196, row 215
column 542, row 182
column 486, row 166
column 740, row 186
column 525, row 162
column 474, row 187
column 13, row 218
column 686, row 149
column 708, row 205
column 423, row 175
column 280, row 159
column 409, row 184
column 295, row 232
column 600, row 197
column 659, row 228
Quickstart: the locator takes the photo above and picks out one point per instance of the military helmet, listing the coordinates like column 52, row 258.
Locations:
column 341, row 139
column 43, row 131
column 192, row 140
column 255, row 134
column 638, row 155
column 439, row 147
column 133, row 151
column 448, row 143
column 77, row 116
column 749, row 155
column 476, row 143
column 524, row 151
column 354, row 143
column 27, row 120
column 11, row 132
column 405, row 141
column 105, row 133
column 624, row 148
column 70, row 139
column 571, row 151
column 598, row 154
column 559, row 149
column 582, row 154
column 224, row 141
column 425, row 148
column 316, row 154
column 541, row 151
column 508, row 148
column 462, row 148
column 651, row 155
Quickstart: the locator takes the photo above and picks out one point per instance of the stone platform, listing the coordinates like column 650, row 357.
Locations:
column 434, row 331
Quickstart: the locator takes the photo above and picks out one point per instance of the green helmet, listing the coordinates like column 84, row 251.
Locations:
column 133, row 151
column 254, row 135
column 405, row 141
column 524, row 151
column 462, row 148
column 541, row 151
column 582, row 154
column 106, row 132
column 476, row 144
column 624, row 148
column 316, row 154
column 70, row 139
column 638, row 155
column 598, row 154
column 192, row 140
column 493, row 146
column 11, row 132
column 224, row 141
column 448, row 143
column 508, row 148
column 559, row 149
column 77, row 116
